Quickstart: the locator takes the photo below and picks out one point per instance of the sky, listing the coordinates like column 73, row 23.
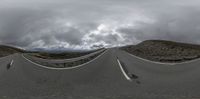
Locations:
column 89, row 24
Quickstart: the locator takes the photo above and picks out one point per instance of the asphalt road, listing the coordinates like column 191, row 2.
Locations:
column 114, row 75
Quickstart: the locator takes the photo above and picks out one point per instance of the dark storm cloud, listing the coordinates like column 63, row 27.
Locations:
column 90, row 23
column 183, row 26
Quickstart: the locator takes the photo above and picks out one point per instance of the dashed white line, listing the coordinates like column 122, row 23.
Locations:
column 11, row 63
column 124, row 73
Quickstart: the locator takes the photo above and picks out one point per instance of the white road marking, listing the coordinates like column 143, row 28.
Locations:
column 124, row 73
column 11, row 63
column 53, row 68
column 150, row 60
column 71, row 59
column 198, row 59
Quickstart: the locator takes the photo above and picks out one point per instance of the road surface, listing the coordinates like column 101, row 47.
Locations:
column 114, row 75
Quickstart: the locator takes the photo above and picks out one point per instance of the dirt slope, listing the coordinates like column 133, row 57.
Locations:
column 8, row 50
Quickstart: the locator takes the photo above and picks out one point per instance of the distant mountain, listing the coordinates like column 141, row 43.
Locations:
column 8, row 50
column 164, row 51
column 53, row 53
column 57, row 50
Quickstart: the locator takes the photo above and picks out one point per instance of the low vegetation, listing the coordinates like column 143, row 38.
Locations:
column 164, row 51
column 67, row 64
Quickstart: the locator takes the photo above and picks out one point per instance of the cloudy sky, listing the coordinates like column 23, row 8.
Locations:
column 87, row 24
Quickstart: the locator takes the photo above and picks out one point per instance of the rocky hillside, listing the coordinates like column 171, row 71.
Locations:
column 8, row 50
column 164, row 51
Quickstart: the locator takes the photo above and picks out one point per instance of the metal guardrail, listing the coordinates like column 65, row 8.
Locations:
column 62, row 60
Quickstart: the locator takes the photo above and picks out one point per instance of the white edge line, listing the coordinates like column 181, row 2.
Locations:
column 161, row 62
column 63, row 68
column 124, row 73
column 151, row 61
column 70, row 59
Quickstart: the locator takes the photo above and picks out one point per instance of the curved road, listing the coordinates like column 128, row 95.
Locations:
column 63, row 60
column 114, row 75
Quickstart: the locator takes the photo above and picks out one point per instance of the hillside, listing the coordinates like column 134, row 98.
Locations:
column 164, row 51
column 8, row 50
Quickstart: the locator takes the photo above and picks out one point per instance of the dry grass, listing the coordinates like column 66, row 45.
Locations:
column 164, row 51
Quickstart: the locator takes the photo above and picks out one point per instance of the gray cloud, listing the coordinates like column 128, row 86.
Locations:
column 183, row 26
column 89, row 23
